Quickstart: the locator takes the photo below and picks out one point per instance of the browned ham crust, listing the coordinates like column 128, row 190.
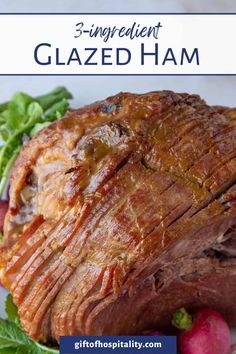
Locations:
column 122, row 212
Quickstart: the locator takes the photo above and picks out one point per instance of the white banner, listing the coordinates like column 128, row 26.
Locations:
column 117, row 44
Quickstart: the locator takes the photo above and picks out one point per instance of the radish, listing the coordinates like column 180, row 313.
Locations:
column 151, row 333
column 233, row 349
column 204, row 333
column 3, row 210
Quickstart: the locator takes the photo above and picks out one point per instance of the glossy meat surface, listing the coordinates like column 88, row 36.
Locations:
column 122, row 212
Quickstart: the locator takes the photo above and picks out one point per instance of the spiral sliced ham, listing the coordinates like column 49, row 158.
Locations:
column 122, row 212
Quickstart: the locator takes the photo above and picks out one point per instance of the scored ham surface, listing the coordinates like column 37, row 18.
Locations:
column 122, row 212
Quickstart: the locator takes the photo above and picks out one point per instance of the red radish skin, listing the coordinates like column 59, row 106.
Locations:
column 155, row 333
column 151, row 333
column 208, row 334
column 3, row 210
column 233, row 349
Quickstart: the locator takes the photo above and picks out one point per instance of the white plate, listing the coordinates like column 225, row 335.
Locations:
column 3, row 294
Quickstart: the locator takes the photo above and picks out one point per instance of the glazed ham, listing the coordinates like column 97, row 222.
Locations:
column 122, row 212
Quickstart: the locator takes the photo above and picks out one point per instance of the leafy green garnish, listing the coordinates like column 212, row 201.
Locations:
column 13, row 340
column 25, row 115
column 8, row 351
column 38, row 127
column 11, row 310
column 182, row 319
column 11, row 336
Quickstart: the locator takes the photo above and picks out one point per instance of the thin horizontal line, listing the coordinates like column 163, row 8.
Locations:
column 118, row 13
column 117, row 75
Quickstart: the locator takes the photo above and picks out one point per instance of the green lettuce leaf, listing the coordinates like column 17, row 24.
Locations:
column 11, row 310
column 25, row 115
column 13, row 340
column 12, row 336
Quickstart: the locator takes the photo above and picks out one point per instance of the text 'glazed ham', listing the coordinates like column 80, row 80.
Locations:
column 122, row 212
